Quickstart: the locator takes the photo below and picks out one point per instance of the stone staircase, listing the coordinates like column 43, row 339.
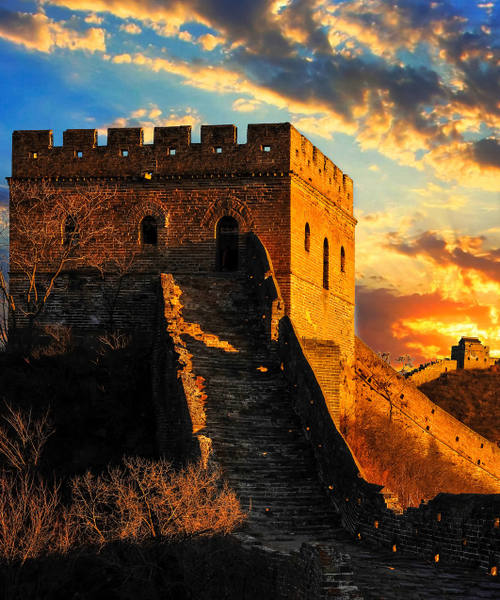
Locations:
column 256, row 437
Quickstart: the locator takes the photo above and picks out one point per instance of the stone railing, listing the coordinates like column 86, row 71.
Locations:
column 431, row 371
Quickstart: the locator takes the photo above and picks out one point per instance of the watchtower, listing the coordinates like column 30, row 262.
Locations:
column 179, row 206
column 471, row 354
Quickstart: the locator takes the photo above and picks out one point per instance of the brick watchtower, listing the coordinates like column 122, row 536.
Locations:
column 184, row 207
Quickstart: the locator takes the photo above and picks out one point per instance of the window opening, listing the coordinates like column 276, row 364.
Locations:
column 227, row 244
column 79, row 154
column 149, row 231
column 124, row 153
column 172, row 151
column 342, row 259
column 266, row 148
column 218, row 150
column 307, row 238
column 326, row 265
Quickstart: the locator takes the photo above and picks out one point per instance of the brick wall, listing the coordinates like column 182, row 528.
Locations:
column 247, row 570
column 319, row 313
column 432, row 371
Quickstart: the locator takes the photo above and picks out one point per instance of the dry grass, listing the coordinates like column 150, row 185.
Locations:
column 392, row 457
column 471, row 396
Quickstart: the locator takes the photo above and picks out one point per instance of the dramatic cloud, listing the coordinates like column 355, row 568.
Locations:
column 411, row 79
column 422, row 325
column 38, row 32
column 487, row 152
column 462, row 254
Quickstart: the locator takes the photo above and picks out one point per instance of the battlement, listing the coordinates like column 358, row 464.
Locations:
column 271, row 149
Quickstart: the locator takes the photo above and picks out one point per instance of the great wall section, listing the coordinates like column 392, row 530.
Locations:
column 254, row 367
column 282, row 430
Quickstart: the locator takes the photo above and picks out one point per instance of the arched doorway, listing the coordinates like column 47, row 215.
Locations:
column 227, row 244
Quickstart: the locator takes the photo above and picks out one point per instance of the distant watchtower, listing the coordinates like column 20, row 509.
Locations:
column 179, row 206
column 471, row 354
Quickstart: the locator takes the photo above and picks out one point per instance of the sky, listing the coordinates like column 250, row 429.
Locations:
column 403, row 95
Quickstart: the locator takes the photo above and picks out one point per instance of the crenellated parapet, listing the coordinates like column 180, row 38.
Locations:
column 271, row 149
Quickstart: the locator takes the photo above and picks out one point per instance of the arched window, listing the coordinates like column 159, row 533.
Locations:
column 326, row 265
column 307, row 238
column 342, row 259
column 71, row 234
column 149, row 231
column 227, row 244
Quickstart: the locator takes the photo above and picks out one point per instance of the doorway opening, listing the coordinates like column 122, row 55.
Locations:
column 227, row 234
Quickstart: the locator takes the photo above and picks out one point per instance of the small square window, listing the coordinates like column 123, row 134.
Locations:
column 266, row 148
column 172, row 151
column 218, row 150
column 34, row 154
column 125, row 153
column 79, row 154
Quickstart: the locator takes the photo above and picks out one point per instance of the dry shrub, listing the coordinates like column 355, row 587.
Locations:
column 112, row 341
column 56, row 340
column 22, row 438
column 391, row 456
column 29, row 510
column 137, row 501
column 147, row 499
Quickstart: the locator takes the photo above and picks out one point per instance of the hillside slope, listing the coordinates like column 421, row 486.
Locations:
column 472, row 396
column 405, row 442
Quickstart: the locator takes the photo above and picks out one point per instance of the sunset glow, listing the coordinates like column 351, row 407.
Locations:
column 403, row 95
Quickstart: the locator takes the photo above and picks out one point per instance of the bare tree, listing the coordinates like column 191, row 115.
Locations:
column 54, row 230
column 406, row 363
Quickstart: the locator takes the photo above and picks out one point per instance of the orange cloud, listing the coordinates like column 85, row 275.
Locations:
column 165, row 17
column 422, row 325
column 38, row 32
column 245, row 105
column 459, row 161
column 209, row 42
column 130, row 28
